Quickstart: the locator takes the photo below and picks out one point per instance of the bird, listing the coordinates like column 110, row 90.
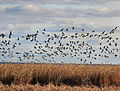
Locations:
column 10, row 34
column 66, row 29
column 44, row 29
column 73, row 28
column 62, row 29
column 82, row 29
column 2, row 35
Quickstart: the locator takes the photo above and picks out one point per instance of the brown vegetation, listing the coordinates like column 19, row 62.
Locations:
column 73, row 75
column 51, row 87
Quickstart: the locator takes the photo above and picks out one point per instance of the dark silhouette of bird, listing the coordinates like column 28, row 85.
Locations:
column 62, row 29
column 82, row 29
column 10, row 34
column 66, row 29
column 44, row 29
column 73, row 28
column 2, row 35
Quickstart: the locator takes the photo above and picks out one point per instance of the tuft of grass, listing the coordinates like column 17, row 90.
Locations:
column 68, row 74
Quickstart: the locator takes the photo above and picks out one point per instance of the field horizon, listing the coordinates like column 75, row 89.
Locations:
column 63, row 77
column 65, row 74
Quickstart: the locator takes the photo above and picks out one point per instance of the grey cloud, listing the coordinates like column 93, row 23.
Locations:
column 100, row 12
column 97, row 13
column 38, row 14
column 66, row 12
column 25, row 14
column 58, row 1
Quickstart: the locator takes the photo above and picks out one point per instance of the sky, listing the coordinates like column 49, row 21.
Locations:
column 26, row 16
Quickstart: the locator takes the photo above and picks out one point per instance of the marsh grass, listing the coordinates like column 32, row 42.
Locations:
column 51, row 87
column 68, row 74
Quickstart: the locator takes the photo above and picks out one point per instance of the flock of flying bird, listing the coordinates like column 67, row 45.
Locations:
column 60, row 44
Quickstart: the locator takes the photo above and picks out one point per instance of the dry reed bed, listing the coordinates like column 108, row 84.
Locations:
column 51, row 87
column 74, row 75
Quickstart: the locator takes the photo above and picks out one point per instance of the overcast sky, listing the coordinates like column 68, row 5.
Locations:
column 27, row 14
column 23, row 16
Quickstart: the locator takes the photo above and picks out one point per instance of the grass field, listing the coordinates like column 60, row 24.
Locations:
column 59, row 77
column 51, row 87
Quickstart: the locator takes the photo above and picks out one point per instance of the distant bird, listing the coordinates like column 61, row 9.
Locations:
column 10, row 34
column 37, row 32
column 90, row 62
column 61, row 29
column 73, row 28
column 67, row 29
column 82, row 29
column 2, row 35
column 17, row 38
column 44, row 29
column 115, row 27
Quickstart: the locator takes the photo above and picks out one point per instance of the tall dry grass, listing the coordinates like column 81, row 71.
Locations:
column 51, row 87
column 73, row 75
